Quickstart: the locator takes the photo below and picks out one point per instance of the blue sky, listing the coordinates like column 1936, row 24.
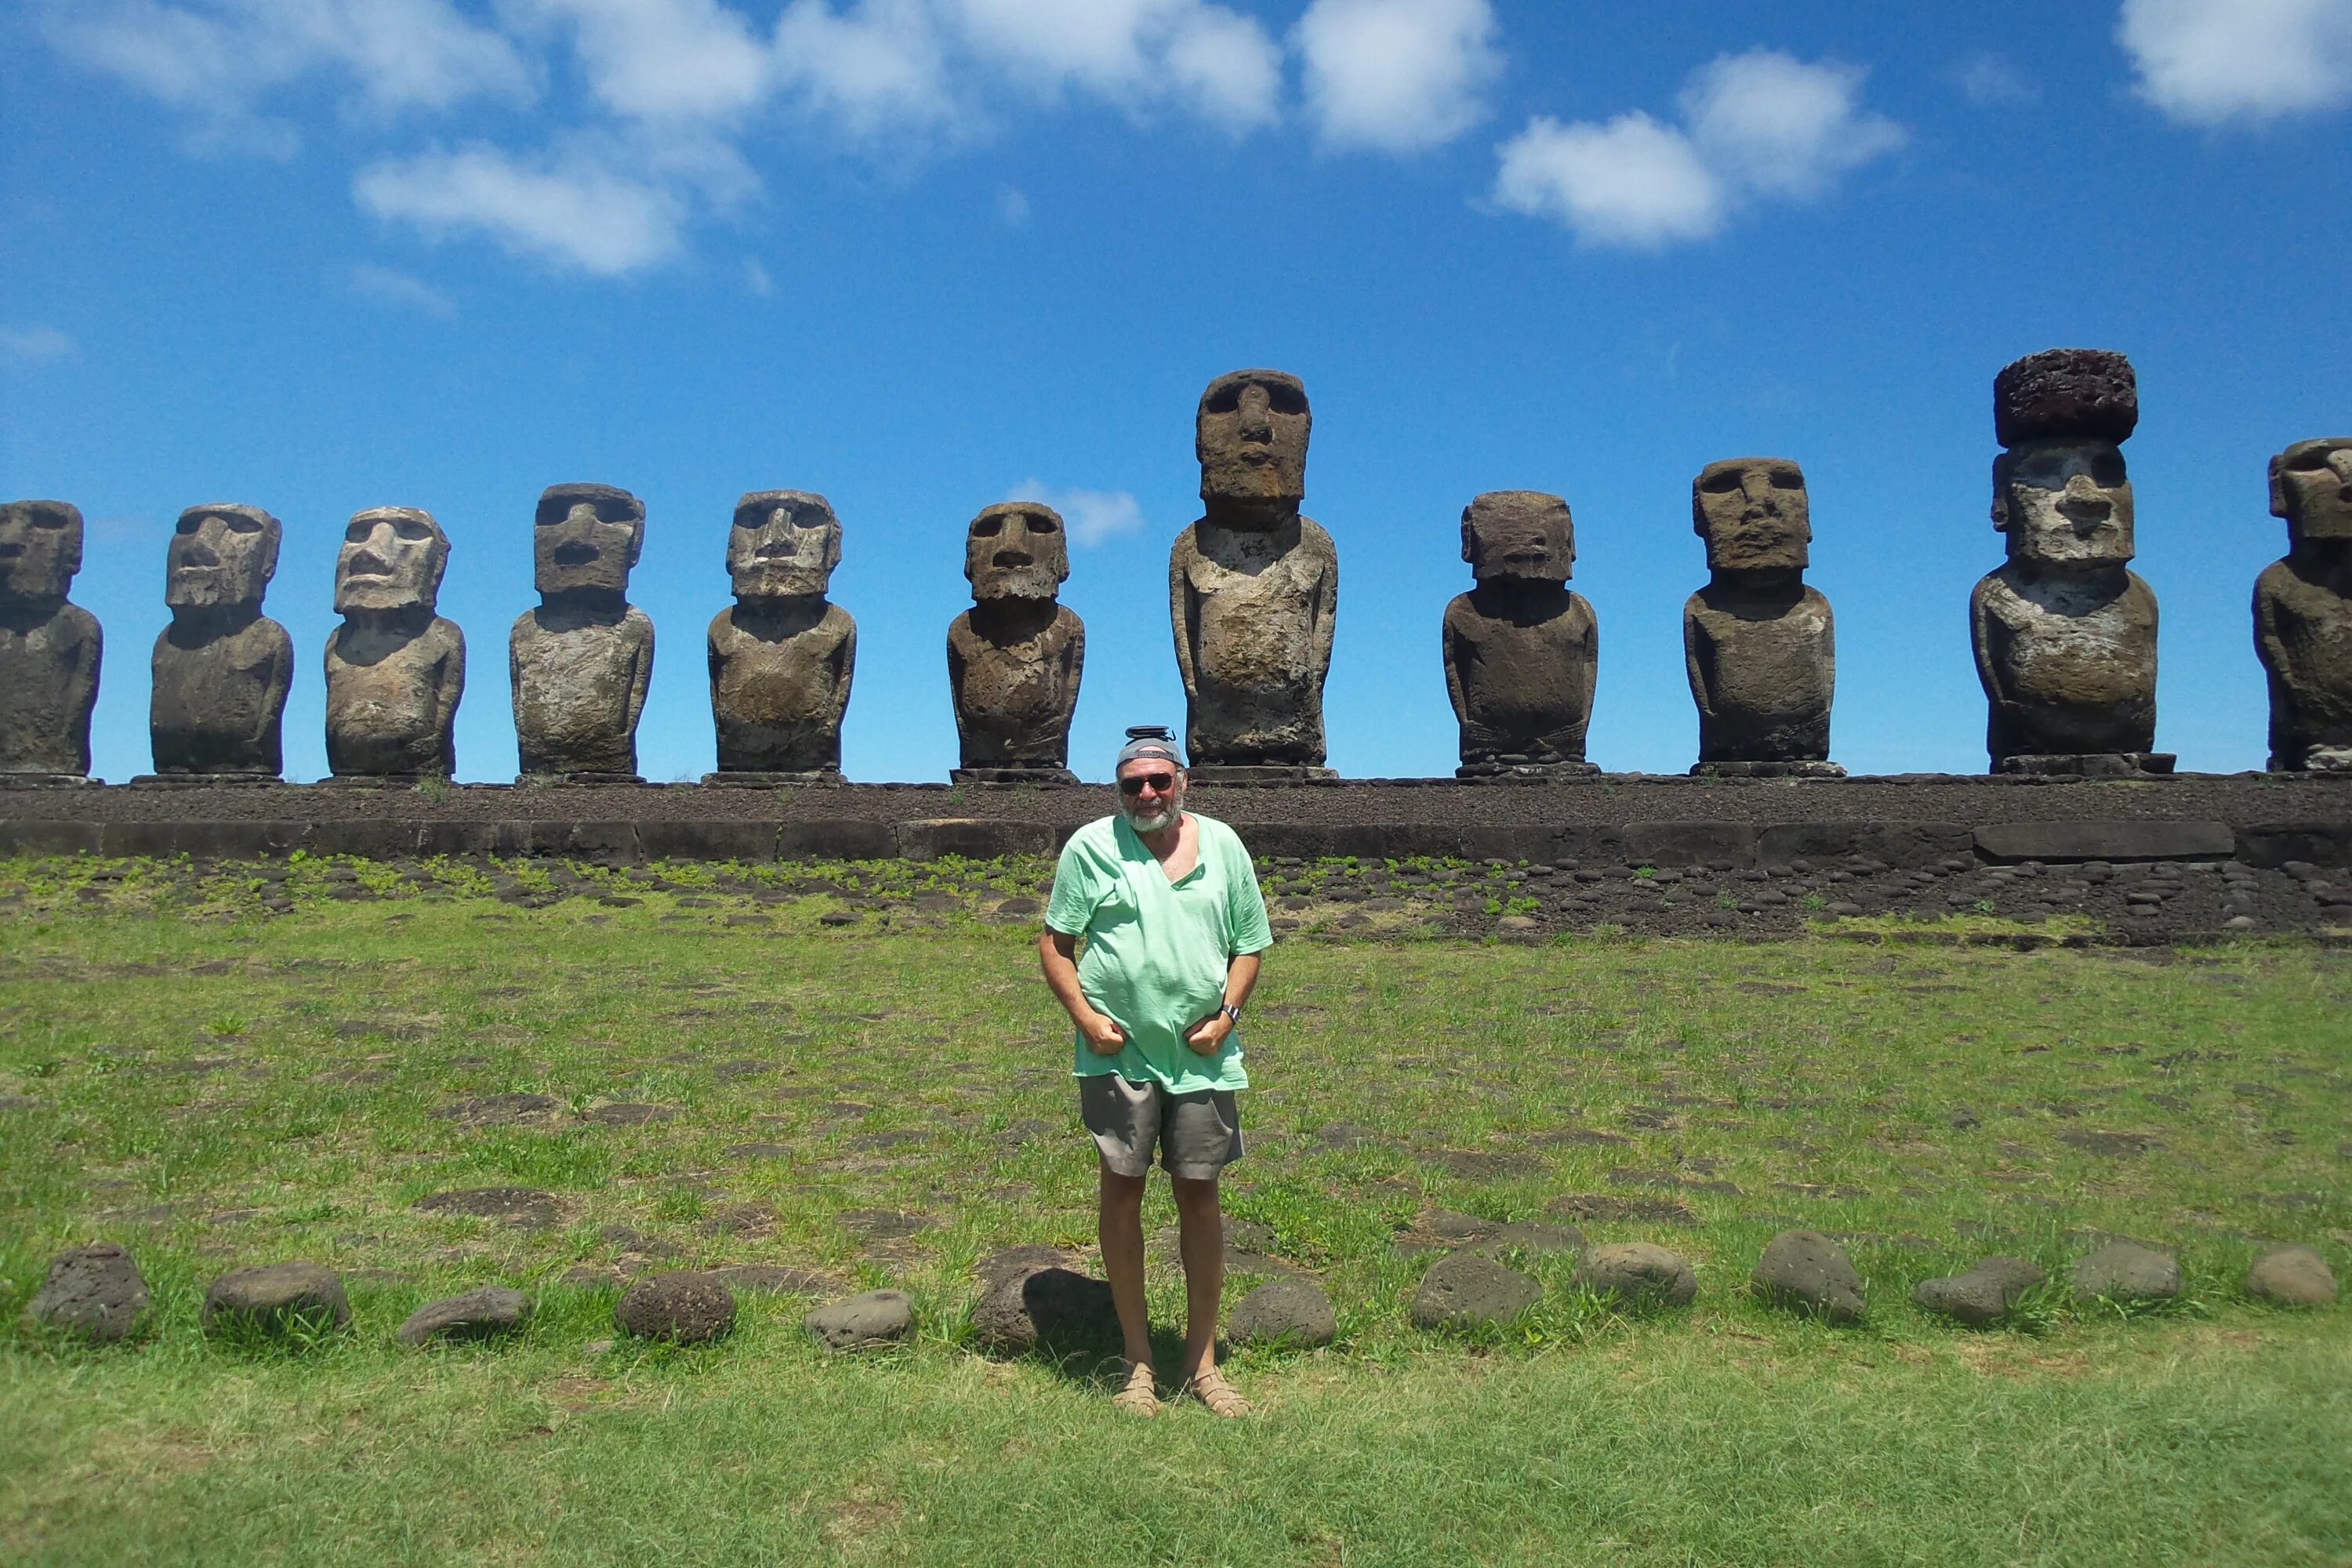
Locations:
column 924, row 255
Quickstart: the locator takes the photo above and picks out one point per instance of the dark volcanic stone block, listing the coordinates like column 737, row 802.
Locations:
column 2272, row 844
column 2081, row 393
column 2111, row 840
column 974, row 838
column 835, row 838
column 707, row 840
column 1689, row 843
column 22, row 837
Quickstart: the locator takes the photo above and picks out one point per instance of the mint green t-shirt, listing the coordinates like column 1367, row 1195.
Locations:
column 1157, row 951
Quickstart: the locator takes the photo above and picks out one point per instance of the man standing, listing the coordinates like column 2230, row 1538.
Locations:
column 1170, row 908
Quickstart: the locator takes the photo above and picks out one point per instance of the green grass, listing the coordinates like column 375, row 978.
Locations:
column 214, row 1086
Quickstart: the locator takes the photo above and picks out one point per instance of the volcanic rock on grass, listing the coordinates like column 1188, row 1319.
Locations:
column 1465, row 1289
column 2292, row 1277
column 884, row 1225
column 1637, row 1273
column 682, row 1307
column 773, row 1280
column 623, row 1114
column 2127, row 1271
column 479, row 1314
column 863, row 1321
column 276, row 1297
column 1981, row 1297
column 1012, row 1262
column 499, row 1109
column 1053, row 1305
column 1602, row 1208
column 1805, row 1269
column 1288, row 1310
column 1532, row 1235
column 95, row 1291
column 526, row 1207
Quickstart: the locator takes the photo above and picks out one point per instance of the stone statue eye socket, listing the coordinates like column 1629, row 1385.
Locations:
column 1284, row 399
column 48, row 519
column 357, row 532
column 408, row 527
column 242, row 525
column 1787, row 480
column 2107, row 472
column 1719, row 484
column 988, row 528
column 1044, row 525
column 1225, row 400
column 188, row 525
column 2310, row 462
column 613, row 511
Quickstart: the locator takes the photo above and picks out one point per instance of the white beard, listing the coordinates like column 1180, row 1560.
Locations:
column 1155, row 821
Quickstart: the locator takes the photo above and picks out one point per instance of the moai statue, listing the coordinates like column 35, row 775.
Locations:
column 48, row 648
column 1014, row 659
column 222, row 668
column 1253, row 589
column 2302, row 610
column 781, row 659
column 581, row 661
column 1758, row 645
column 394, row 669
column 1522, row 650
column 2065, row 633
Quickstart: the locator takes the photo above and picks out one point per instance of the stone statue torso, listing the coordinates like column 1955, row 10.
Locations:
column 1521, row 668
column 779, row 685
column 579, row 686
column 1015, row 695
column 1254, row 615
column 391, row 701
column 50, row 659
column 219, row 699
column 1763, row 669
column 2069, row 663
column 2302, row 620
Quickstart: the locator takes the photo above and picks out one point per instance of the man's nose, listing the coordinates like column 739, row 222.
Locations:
column 1257, row 422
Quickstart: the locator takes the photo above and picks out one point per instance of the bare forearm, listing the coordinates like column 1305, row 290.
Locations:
column 1241, row 979
column 1061, row 977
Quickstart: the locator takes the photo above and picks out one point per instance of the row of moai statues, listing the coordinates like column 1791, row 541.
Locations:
column 2065, row 633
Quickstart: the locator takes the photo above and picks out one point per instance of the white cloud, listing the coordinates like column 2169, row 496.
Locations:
column 1132, row 52
column 878, row 69
column 1011, row 207
column 1992, row 81
column 2208, row 61
column 1094, row 516
column 660, row 59
column 36, row 344
column 1396, row 76
column 756, row 281
column 1762, row 124
column 1227, row 66
column 572, row 212
column 390, row 287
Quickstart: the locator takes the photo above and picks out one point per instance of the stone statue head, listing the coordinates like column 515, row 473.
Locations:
column 587, row 539
column 2311, row 488
column 1250, row 436
column 221, row 556
column 40, row 548
column 1519, row 535
column 2064, row 503
column 784, row 544
column 1754, row 515
column 391, row 559
column 1016, row 550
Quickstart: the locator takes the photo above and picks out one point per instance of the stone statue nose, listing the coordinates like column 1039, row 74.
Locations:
column 582, row 516
column 199, row 553
column 1257, row 422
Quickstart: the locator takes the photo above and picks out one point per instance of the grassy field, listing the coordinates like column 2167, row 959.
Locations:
column 709, row 1067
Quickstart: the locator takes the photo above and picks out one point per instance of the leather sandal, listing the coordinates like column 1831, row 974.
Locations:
column 1140, row 1396
column 1210, row 1387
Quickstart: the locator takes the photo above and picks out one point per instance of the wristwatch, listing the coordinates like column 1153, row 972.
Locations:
column 1232, row 1012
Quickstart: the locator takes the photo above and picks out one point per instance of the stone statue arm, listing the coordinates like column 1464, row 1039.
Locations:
column 845, row 662
column 1451, row 650
column 1182, row 613
column 1980, row 640
column 278, row 675
column 1073, row 666
column 1694, row 659
column 1591, row 655
column 515, row 635
column 1327, row 602
column 955, row 682
column 2270, row 644
column 451, row 687
column 81, row 677
column 641, row 675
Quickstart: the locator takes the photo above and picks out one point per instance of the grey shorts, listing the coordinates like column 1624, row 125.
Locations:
column 1199, row 1134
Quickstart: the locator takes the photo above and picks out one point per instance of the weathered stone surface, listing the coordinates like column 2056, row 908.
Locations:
column 275, row 1297
column 580, row 661
column 1012, row 1262
column 773, row 1280
column 2064, row 634
column 2303, row 609
column 2294, row 1275
column 1533, row 1236
column 864, row 1321
column 1807, row 1271
column 526, row 1207
column 222, row 668
column 1252, row 586
column 1983, row 1296
column 1292, row 1310
column 1027, row 1305
column 2127, row 1271
column 1522, row 651
column 1469, row 1289
column 2065, row 393
column 394, row 669
column 2106, row 840
column 680, row 1306
column 480, row 1314
column 1758, row 645
column 95, row 1291
column 50, row 649
column 1636, row 1274
column 1015, row 658
column 782, row 659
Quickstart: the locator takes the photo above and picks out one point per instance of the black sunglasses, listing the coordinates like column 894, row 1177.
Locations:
column 1160, row 783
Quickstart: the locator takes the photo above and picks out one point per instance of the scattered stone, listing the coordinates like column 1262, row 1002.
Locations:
column 2127, row 1271
column 1981, row 1297
column 862, row 1323
column 476, row 1315
column 2293, row 1276
column 1805, row 1269
column 682, row 1307
column 773, row 1280
column 1532, row 1235
column 499, row 1109
column 1605, row 1207
column 624, row 1114
column 1012, row 1262
column 95, row 1291
column 1051, row 1306
column 1637, row 1273
column 276, row 1297
column 1628, row 1176
column 884, row 1225
column 1289, row 1310
column 1465, row 1289
column 525, row 1208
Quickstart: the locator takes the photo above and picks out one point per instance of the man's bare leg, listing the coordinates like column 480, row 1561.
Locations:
column 1202, row 1239
column 1119, row 1226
